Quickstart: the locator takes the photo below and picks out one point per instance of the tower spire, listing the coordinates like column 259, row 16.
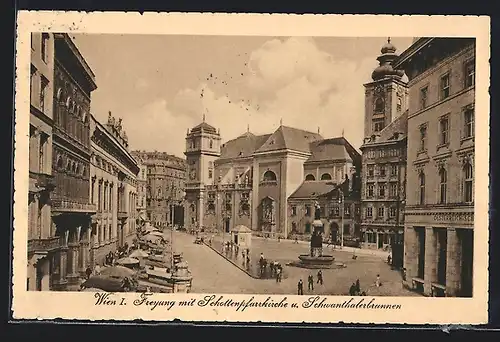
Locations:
column 281, row 121
column 388, row 40
column 318, row 129
column 203, row 117
column 342, row 132
column 248, row 128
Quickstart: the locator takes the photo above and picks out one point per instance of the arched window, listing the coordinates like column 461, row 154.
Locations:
column 421, row 182
column 326, row 176
column 468, row 183
column 59, row 95
column 310, row 177
column 211, row 143
column 73, row 168
column 77, row 169
column 68, row 102
column 68, row 166
column 379, row 105
column 442, row 185
column 59, row 163
column 269, row 176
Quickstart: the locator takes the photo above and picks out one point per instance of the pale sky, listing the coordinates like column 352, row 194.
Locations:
column 161, row 85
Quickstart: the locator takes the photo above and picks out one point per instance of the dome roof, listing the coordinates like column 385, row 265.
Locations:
column 388, row 47
column 385, row 68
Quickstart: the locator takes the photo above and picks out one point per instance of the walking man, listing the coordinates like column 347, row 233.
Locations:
column 300, row 288
column 320, row 277
column 310, row 283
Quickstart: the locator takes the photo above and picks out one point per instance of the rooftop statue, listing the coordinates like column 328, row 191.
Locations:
column 119, row 125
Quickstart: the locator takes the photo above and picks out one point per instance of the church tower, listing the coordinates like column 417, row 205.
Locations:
column 386, row 97
column 202, row 149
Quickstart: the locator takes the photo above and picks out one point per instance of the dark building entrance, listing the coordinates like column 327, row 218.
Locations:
column 466, row 238
column 227, row 225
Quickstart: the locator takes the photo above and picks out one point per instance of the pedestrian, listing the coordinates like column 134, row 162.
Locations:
column 352, row 290
column 296, row 240
column 320, row 277
column 278, row 275
column 97, row 269
column 300, row 288
column 389, row 259
column 88, row 272
column 378, row 283
column 310, row 283
column 358, row 288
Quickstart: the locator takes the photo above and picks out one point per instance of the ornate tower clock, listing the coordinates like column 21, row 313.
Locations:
column 386, row 96
column 202, row 149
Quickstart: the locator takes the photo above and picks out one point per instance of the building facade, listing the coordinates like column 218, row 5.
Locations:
column 42, row 242
column 166, row 176
column 113, row 188
column 142, row 183
column 248, row 180
column 439, row 212
column 384, row 156
column 71, row 206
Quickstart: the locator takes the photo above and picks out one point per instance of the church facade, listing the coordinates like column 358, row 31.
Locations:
column 248, row 180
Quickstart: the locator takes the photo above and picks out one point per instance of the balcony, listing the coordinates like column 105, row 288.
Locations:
column 43, row 245
column 67, row 205
column 43, row 180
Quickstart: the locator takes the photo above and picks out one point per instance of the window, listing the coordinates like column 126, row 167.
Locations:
column 378, row 126
column 347, row 210
column 43, row 89
column 369, row 212
column 423, row 137
column 32, row 81
column 380, row 212
column 394, row 170
column 470, row 74
column 382, row 170
column 310, row 177
column 370, row 190
column 269, row 176
column 445, row 86
column 393, row 190
column 381, row 190
column 41, row 153
column 336, row 211
column 347, row 229
column 210, row 174
column 326, row 176
column 392, row 212
column 468, row 183
column 444, row 123
column 308, row 210
column 370, row 170
column 211, row 144
column 294, row 210
column 379, row 105
column 399, row 104
column 421, row 181
column 45, row 38
column 469, row 122
column 423, row 97
column 442, row 185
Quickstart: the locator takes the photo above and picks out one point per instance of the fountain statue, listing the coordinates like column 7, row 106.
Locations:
column 315, row 258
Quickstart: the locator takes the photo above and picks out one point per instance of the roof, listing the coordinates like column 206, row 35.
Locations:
column 395, row 131
column 241, row 229
column 313, row 189
column 243, row 146
column 289, row 138
column 204, row 127
column 331, row 149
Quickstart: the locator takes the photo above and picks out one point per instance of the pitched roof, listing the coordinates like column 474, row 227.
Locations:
column 205, row 128
column 243, row 146
column 289, row 138
column 329, row 149
column 313, row 189
column 396, row 130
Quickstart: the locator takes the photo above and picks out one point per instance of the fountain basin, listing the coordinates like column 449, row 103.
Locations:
column 315, row 262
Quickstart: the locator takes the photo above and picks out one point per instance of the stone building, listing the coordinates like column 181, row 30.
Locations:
column 142, row 183
column 113, row 188
column 439, row 212
column 247, row 181
column 384, row 156
column 42, row 242
column 166, row 175
column 72, row 209
column 333, row 165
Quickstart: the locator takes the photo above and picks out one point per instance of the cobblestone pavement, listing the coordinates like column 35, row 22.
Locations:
column 212, row 273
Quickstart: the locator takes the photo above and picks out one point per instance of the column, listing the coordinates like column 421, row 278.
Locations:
column 453, row 258
column 410, row 257
column 430, row 268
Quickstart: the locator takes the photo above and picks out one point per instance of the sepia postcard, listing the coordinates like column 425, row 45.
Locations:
column 251, row 168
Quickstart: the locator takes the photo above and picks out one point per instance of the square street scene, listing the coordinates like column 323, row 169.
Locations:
column 252, row 165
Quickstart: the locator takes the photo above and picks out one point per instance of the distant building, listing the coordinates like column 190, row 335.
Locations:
column 384, row 156
column 248, row 180
column 113, row 188
column 72, row 209
column 439, row 212
column 42, row 241
column 142, row 183
column 166, row 175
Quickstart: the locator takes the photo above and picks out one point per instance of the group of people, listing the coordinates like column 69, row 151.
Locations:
column 355, row 289
column 310, row 282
